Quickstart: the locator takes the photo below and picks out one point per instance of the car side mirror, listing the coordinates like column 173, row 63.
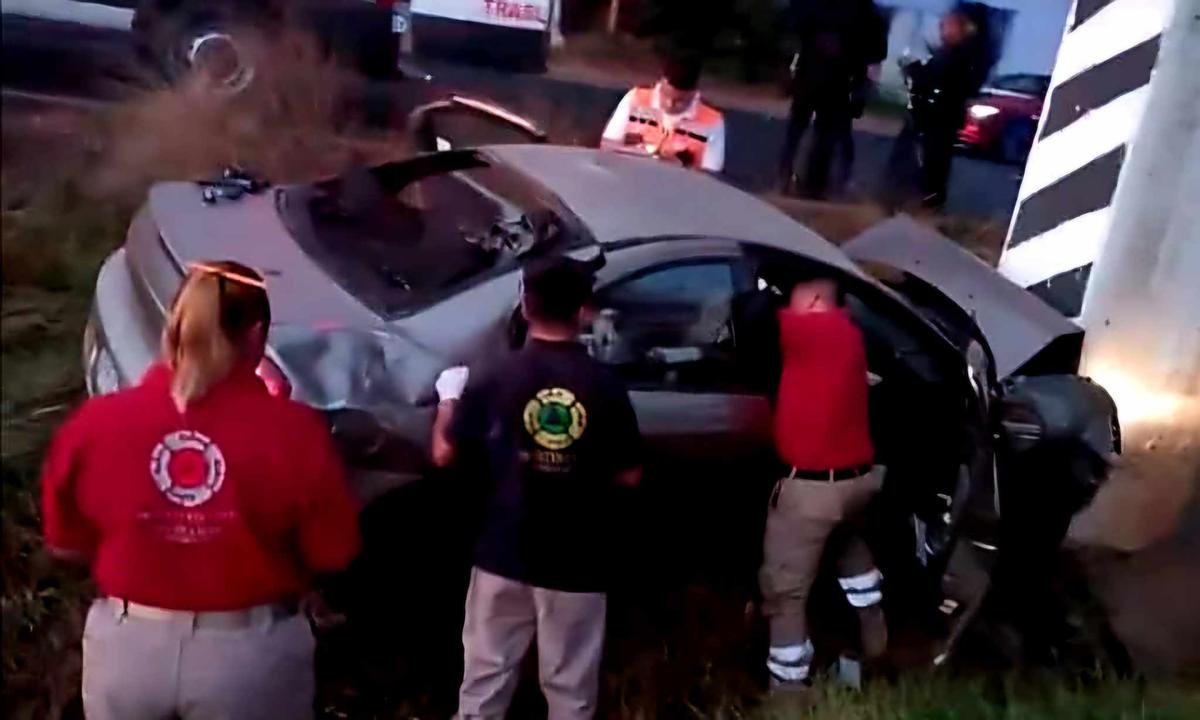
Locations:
column 1023, row 425
column 1059, row 408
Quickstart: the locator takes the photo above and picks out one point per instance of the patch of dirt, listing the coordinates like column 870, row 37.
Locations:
column 839, row 222
column 835, row 221
column 293, row 123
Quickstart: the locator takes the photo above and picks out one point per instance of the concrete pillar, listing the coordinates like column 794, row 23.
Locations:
column 1141, row 306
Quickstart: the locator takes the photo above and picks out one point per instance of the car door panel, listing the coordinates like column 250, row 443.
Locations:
column 689, row 410
column 703, row 425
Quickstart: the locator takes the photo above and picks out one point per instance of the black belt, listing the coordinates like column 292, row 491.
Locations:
column 831, row 475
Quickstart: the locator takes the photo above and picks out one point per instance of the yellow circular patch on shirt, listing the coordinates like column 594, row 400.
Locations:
column 555, row 418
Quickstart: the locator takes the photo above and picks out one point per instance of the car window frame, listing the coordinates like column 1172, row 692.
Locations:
column 715, row 252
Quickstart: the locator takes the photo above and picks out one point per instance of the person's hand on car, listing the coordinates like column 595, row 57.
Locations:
column 451, row 383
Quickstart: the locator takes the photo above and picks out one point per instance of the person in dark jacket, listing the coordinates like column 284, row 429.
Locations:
column 862, row 87
column 942, row 87
column 838, row 39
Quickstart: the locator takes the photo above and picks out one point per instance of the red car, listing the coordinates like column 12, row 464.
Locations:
column 1002, row 121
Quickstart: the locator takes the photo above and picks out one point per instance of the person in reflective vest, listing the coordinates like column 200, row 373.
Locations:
column 670, row 121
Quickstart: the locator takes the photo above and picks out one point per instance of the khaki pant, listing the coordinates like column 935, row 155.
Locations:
column 800, row 522
column 140, row 668
column 503, row 616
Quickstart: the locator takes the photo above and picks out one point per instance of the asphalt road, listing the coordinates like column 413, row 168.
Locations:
column 60, row 58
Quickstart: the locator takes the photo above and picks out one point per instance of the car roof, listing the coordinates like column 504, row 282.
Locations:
column 621, row 198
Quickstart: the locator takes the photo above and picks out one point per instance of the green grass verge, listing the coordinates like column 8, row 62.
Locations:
column 52, row 247
column 1004, row 698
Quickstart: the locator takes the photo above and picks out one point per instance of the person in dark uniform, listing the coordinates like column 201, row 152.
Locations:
column 873, row 51
column 837, row 41
column 942, row 88
column 557, row 436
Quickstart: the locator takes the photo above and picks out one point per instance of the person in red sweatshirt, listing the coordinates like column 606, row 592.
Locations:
column 823, row 438
column 206, row 508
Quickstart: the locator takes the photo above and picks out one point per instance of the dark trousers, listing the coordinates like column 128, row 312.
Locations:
column 937, row 148
column 920, row 161
column 844, row 169
column 831, row 128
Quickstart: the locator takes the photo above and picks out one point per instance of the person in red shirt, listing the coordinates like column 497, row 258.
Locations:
column 823, row 438
column 206, row 508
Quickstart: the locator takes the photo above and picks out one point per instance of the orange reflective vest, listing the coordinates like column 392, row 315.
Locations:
column 671, row 135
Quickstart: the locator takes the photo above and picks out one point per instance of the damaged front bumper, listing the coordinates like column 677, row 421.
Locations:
column 121, row 341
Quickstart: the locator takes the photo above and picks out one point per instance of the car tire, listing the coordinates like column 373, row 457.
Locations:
column 1016, row 142
column 176, row 37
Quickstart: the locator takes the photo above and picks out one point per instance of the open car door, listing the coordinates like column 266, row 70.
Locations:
column 460, row 122
column 1055, row 432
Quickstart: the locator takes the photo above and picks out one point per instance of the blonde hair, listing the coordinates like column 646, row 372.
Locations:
column 217, row 306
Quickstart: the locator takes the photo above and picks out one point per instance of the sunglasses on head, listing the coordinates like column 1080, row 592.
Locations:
column 254, row 280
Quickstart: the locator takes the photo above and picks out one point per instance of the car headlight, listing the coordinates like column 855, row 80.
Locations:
column 980, row 112
column 105, row 377
column 99, row 365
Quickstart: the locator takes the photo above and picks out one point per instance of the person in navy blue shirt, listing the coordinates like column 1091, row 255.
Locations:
column 557, row 436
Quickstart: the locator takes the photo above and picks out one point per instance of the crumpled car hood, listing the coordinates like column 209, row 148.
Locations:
column 1017, row 325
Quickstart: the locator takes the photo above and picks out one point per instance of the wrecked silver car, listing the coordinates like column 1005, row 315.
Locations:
column 382, row 277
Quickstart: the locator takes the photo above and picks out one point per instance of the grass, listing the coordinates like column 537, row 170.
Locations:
column 1004, row 698
column 51, row 249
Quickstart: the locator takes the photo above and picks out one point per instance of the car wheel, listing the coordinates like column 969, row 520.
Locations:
column 1016, row 142
column 196, row 42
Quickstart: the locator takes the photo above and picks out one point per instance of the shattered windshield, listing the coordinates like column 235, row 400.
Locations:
column 398, row 243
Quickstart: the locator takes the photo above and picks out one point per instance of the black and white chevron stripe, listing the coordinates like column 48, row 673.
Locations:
column 1098, row 96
